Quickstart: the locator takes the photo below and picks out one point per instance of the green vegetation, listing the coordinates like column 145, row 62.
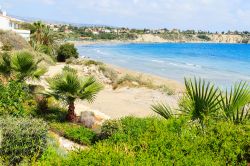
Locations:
column 92, row 62
column 210, row 127
column 74, row 132
column 68, row 86
column 203, row 100
column 204, row 37
column 22, row 139
column 66, row 51
column 43, row 38
column 151, row 141
column 133, row 81
column 15, row 99
column 109, row 73
column 21, row 65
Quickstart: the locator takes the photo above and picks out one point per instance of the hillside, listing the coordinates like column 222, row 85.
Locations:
column 192, row 38
column 13, row 40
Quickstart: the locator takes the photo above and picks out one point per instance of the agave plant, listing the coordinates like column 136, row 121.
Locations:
column 235, row 103
column 69, row 87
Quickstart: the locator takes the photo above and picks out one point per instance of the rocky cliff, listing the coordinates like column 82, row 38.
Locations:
column 192, row 38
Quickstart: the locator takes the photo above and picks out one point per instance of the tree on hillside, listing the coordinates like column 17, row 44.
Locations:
column 37, row 31
column 66, row 51
column 43, row 38
column 69, row 87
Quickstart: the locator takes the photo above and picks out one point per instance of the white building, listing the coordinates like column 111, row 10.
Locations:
column 12, row 24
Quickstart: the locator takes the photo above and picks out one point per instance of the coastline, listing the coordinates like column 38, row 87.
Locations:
column 150, row 40
column 123, row 101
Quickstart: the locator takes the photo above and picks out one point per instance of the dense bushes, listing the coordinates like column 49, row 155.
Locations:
column 204, row 37
column 22, row 138
column 66, row 51
column 152, row 141
column 74, row 132
column 15, row 99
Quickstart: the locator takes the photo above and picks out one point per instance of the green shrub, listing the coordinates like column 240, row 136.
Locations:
column 74, row 132
column 133, row 81
column 109, row 128
column 167, row 90
column 245, row 41
column 22, row 138
column 92, row 62
column 15, row 99
column 66, row 51
column 204, row 37
column 152, row 141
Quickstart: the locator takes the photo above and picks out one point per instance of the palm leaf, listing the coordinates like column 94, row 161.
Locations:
column 203, row 97
column 235, row 103
column 5, row 64
column 163, row 110
column 89, row 88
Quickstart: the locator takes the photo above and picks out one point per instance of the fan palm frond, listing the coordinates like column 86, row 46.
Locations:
column 25, row 66
column 204, row 98
column 89, row 88
column 235, row 103
column 163, row 110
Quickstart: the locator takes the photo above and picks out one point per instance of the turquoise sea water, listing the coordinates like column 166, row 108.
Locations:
column 221, row 63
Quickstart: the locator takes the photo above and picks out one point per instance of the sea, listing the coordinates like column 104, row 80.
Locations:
column 222, row 64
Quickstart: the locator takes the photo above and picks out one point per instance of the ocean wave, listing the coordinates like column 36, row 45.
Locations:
column 185, row 65
column 158, row 61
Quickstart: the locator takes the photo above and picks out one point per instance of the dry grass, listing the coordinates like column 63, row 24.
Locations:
column 109, row 73
column 14, row 40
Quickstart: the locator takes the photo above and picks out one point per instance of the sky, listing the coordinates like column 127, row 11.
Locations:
column 212, row 15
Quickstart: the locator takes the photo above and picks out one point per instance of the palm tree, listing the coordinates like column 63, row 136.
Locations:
column 69, row 87
column 37, row 31
column 21, row 66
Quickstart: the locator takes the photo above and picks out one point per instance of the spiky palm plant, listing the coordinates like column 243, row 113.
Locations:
column 163, row 110
column 25, row 66
column 37, row 31
column 203, row 98
column 69, row 87
column 236, row 103
column 5, row 65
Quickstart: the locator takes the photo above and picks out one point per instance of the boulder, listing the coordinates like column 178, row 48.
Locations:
column 92, row 119
column 87, row 118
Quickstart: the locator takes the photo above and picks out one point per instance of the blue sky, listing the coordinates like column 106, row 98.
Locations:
column 213, row 15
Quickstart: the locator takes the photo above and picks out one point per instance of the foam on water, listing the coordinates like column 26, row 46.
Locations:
column 222, row 63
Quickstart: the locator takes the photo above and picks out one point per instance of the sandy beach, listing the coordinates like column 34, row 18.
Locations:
column 123, row 101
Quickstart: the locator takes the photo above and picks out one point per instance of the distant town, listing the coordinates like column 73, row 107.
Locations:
column 88, row 33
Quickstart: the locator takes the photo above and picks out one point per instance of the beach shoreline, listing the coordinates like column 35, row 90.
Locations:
column 150, row 40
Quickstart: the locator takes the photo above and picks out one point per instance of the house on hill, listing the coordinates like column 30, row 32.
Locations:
column 8, row 23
